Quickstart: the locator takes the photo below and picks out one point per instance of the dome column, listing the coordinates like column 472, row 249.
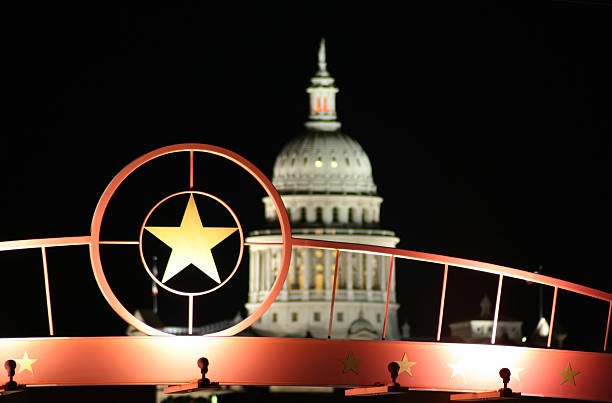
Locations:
column 350, row 280
column 306, row 274
column 327, row 266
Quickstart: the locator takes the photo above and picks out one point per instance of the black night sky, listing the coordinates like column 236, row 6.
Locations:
column 487, row 126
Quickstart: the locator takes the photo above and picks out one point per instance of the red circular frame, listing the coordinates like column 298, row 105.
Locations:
column 96, row 224
column 184, row 293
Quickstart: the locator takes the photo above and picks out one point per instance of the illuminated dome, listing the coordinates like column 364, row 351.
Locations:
column 323, row 162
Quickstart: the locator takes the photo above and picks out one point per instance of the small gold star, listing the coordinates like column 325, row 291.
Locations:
column 458, row 369
column 405, row 365
column 515, row 371
column 568, row 374
column 25, row 363
column 191, row 243
column 350, row 363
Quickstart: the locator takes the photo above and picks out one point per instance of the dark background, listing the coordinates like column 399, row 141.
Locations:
column 487, row 125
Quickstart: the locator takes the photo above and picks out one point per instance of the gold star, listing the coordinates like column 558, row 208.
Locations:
column 568, row 374
column 350, row 363
column 191, row 243
column 458, row 369
column 25, row 363
column 405, row 365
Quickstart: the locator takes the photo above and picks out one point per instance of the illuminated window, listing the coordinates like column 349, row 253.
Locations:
column 318, row 253
column 318, row 277
column 325, row 104
column 340, row 316
column 318, row 163
column 317, row 316
column 274, row 317
column 294, row 317
column 334, row 163
column 318, row 107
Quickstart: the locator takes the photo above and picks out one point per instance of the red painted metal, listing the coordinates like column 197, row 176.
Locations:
column 552, row 317
column 48, row 242
column 456, row 262
column 384, row 332
column 496, row 315
column 138, row 163
column 442, row 303
column 331, row 309
column 307, row 362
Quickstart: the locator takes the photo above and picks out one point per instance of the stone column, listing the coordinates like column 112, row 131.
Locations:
column 327, row 272
column 349, row 279
column 368, row 275
column 307, row 273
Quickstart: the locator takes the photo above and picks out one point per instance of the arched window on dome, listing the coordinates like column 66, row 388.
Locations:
column 319, row 215
column 365, row 214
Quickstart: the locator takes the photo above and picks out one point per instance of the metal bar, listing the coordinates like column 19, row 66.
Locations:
column 48, row 242
column 263, row 243
column 47, row 292
column 552, row 317
column 442, row 302
column 608, row 327
column 331, row 311
column 455, row 262
column 499, row 289
column 191, row 169
column 388, row 295
column 119, row 242
column 190, row 325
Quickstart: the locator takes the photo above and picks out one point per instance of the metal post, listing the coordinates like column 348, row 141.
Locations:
column 499, row 288
column 47, row 292
column 608, row 327
column 331, row 311
column 190, row 327
column 389, row 279
column 552, row 317
column 442, row 302
column 191, row 169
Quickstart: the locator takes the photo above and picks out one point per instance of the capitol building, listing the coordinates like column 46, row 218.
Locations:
column 325, row 180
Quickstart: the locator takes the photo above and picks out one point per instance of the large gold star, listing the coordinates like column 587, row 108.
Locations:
column 405, row 365
column 191, row 243
column 25, row 363
column 350, row 363
column 568, row 374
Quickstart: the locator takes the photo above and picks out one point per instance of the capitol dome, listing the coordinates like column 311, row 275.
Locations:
column 323, row 162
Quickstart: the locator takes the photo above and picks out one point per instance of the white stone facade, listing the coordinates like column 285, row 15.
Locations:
column 325, row 180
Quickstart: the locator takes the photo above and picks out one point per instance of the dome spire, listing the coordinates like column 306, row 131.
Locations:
column 322, row 63
column 322, row 97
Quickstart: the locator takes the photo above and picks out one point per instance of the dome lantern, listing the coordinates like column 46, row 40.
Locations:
column 322, row 97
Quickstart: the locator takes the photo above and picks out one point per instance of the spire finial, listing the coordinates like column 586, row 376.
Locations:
column 322, row 63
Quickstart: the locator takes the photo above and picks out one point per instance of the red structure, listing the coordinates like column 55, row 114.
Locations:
column 163, row 359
